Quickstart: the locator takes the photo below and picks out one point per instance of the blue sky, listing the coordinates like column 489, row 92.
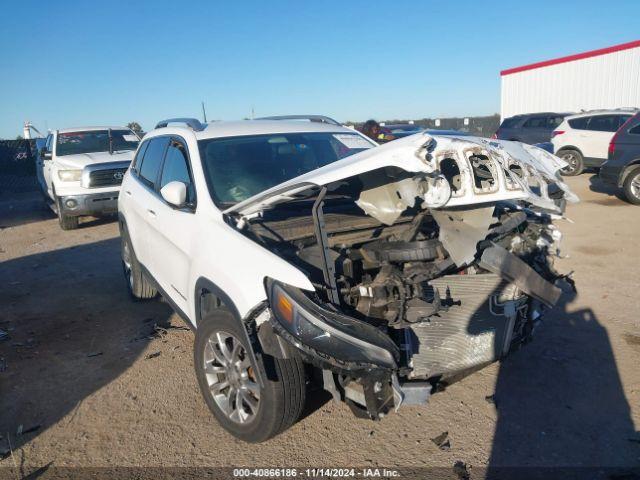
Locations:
column 77, row 63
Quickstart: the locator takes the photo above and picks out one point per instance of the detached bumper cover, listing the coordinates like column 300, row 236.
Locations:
column 89, row 204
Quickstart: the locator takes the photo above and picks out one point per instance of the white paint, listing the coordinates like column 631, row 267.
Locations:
column 611, row 80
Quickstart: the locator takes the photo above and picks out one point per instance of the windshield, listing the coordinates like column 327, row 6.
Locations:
column 239, row 167
column 91, row 141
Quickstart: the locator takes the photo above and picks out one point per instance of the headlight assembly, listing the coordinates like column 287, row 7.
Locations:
column 332, row 334
column 70, row 175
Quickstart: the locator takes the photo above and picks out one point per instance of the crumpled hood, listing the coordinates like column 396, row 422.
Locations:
column 81, row 160
column 450, row 172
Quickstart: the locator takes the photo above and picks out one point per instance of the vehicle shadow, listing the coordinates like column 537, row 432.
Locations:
column 598, row 186
column 23, row 209
column 30, row 207
column 69, row 328
column 560, row 403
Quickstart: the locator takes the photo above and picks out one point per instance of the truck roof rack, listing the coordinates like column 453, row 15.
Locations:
column 193, row 123
column 310, row 118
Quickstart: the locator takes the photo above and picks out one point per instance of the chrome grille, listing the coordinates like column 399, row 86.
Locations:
column 107, row 177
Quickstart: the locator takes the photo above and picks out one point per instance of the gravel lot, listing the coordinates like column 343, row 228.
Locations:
column 90, row 382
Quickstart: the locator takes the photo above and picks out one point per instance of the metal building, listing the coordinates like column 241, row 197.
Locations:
column 604, row 78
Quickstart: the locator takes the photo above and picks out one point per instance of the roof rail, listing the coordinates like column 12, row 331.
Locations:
column 311, row 118
column 193, row 123
column 618, row 109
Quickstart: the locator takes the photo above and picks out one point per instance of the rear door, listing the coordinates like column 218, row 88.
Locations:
column 534, row 130
column 171, row 228
column 596, row 138
column 141, row 194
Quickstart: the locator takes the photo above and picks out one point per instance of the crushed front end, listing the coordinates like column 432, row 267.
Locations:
column 420, row 277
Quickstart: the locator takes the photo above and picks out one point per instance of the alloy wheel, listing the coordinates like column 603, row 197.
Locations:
column 230, row 377
column 635, row 186
column 126, row 261
column 572, row 159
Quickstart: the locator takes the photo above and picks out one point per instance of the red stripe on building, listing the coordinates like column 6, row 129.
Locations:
column 571, row 58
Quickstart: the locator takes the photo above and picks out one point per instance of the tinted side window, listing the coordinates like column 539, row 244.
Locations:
column 635, row 130
column 604, row 123
column 137, row 161
column 623, row 119
column 579, row 123
column 535, row 122
column 553, row 122
column 49, row 143
column 509, row 122
column 176, row 168
column 152, row 160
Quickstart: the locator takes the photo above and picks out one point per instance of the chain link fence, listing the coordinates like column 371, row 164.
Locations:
column 17, row 166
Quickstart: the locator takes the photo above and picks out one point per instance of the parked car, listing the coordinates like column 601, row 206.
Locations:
column 306, row 257
column 401, row 130
column 394, row 132
column 530, row 128
column 79, row 170
column 582, row 140
column 622, row 167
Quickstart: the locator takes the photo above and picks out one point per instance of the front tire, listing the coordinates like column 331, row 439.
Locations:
column 574, row 159
column 230, row 387
column 631, row 186
column 138, row 285
column 67, row 222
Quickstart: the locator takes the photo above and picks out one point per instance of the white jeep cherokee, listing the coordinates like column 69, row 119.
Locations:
column 80, row 170
column 304, row 256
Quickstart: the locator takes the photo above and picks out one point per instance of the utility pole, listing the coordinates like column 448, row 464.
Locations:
column 204, row 113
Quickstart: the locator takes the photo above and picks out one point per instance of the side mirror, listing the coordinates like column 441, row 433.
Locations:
column 175, row 193
column 45, row 154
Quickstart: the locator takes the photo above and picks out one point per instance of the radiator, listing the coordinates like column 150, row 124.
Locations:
column 475, row 330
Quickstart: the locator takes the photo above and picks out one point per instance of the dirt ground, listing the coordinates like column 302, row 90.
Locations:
column 89, row 381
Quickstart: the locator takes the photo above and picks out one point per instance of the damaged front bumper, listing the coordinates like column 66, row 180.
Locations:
column 329, row 338
column 488, row 316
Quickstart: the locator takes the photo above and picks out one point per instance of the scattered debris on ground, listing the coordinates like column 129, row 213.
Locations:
column 442, row 441
column 461, row 470
column 153, row 355
column 95, row 354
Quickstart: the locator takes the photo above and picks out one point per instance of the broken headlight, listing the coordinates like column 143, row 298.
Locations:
column 331, row 334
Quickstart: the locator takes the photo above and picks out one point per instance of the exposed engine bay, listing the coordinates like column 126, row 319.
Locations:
column 454, row 264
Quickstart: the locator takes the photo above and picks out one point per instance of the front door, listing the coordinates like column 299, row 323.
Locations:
column 173, row 227
column 44, row 168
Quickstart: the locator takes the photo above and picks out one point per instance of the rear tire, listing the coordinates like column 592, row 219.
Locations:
column 574, row 159
column 631, row 186
column 251, row 418
column 138, row 285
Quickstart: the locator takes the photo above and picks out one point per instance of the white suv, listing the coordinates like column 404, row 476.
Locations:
column 582, row 140
column 305, row 256
column 79, row 170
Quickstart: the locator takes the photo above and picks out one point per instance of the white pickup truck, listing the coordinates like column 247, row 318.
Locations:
column 80, row 170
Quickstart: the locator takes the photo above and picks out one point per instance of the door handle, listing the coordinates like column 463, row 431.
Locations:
column 128, row 192
column 151, row 213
